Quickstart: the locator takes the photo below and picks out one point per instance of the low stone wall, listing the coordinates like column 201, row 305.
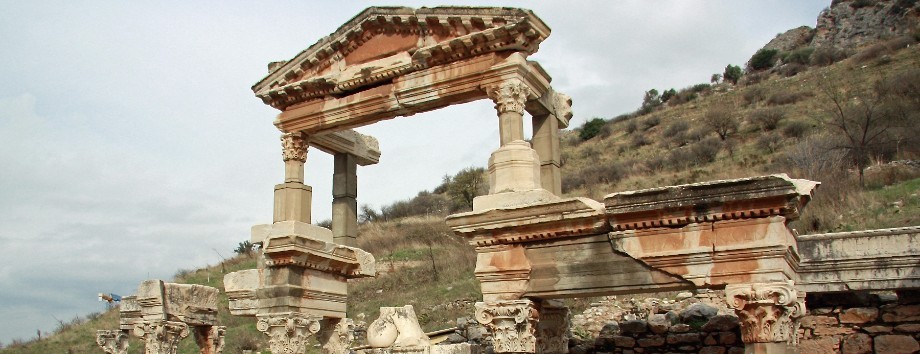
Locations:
column 660, row 334
column 854, row 323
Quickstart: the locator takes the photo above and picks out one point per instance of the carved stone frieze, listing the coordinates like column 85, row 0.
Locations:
column 509, row 96
column 552, row 330
column 769, row 312
column 512, row 323
column 210, row 339
column 112, row 341
column 294, row 146
column 288, row 332
column 161, row 337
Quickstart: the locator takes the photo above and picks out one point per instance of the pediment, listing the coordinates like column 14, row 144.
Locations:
column 382, row 43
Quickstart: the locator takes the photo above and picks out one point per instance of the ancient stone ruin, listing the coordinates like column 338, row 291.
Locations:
column 534, row 246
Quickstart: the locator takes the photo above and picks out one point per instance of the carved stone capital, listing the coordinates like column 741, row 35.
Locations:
column 288, row 332
column 210, row 339
column 294, row 146
column 553, row 329
column 512, row 323
column 769, row 312
column 509, row 96
column 337, row 336
column 161, row 337
column 112, row 341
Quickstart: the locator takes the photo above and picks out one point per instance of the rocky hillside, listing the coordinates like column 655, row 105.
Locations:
column 850, row 24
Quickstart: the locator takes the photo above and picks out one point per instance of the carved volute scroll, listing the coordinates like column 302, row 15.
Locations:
column 161, row 337
column 294, row 147
column 769, row 312
column 288, row 332
column 509, row 96
column 512, row 323
column 112, row 341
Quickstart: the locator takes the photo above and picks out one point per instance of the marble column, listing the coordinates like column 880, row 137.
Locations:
column 293, row 197
column 344, row 200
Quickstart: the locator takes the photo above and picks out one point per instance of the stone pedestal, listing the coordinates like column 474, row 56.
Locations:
column 769, row 314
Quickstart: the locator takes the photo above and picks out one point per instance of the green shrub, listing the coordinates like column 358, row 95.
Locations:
column 796, row 129
column 799, row 56
column 591, row 128
column 650, row 122
column 767, row 119
column 631, row 126
column 769, row 141
column 754, row 94
column 825, row 56
column 781, row 98
column 763, row 59
column 732, row 74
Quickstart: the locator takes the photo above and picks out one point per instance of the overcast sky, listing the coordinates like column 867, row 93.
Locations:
column 131, row 145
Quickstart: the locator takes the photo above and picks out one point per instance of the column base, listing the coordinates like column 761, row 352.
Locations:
column 513, row 199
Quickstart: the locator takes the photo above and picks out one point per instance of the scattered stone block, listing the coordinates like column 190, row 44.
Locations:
column 904, row 313
column 908, row 328
column 658, row 323
column 858, row 315
column 712, row 350
column 651, row 341
column 859, row 343
column 633, row 327
column 721, row 323
column 877, row 329
column 895, row 344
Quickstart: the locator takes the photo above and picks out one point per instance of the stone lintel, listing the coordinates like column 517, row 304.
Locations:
column 420, row 91
column 385, row 42
column 715, row 254
column 555, row 219
column 884, row 259
column 552, row 103
column 674, row 206
column 364, row 148
column 190, row 303
column 300, row 251
column 240, row 287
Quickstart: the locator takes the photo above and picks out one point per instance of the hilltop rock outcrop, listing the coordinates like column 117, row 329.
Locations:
column 854, row 23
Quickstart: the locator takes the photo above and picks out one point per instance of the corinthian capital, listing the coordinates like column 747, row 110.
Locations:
column 294, row 146
column 769, row 312
column 288, row 332
column 112, row 341
column 161, row 337
column 512, row 323
column 509, row 96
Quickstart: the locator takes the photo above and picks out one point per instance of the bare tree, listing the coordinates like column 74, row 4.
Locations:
column 860, row 121
column 721, row 120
